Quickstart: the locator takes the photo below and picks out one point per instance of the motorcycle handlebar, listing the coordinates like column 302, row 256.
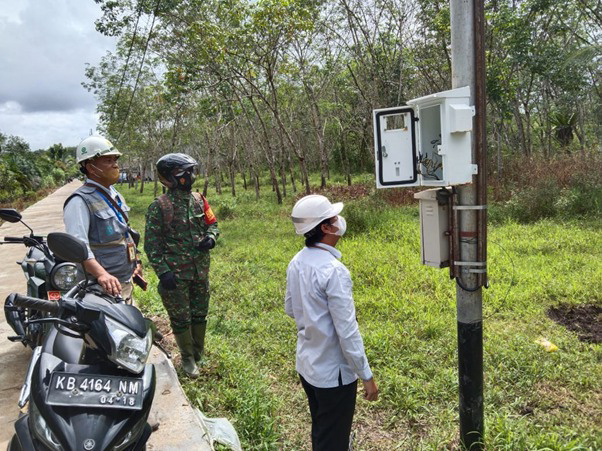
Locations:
column 13, row 239
column 33, row 303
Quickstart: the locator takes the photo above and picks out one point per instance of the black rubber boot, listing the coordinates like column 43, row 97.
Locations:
column 198, row 338
column 186, row 346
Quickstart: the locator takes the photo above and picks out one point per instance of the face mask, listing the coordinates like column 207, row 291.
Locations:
column 184, row 180
column 341, row 224
column 109, row 176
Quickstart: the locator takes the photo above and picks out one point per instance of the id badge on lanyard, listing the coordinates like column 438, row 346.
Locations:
column 131, row 252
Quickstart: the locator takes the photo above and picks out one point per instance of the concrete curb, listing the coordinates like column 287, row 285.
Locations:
column 179, row 426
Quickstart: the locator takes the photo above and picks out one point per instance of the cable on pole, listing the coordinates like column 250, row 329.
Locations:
column 150, row 32
column 125, row 67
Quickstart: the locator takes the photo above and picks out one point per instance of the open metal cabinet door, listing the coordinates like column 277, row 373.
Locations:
column 395, row 147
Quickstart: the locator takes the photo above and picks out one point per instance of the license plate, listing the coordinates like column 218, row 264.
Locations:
column 54, row 295
column 93, row 390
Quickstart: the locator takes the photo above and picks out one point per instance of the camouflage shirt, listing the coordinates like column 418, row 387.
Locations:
column 173, row 247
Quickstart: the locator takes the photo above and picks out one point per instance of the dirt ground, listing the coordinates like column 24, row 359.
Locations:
column 584, row 320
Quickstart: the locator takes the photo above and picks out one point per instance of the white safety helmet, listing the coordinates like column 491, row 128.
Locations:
column 94, row 146
column 311, row 210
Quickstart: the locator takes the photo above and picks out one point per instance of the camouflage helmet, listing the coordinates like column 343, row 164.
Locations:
column 167, row 163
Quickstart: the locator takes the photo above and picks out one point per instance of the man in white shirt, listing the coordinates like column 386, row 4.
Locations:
column 330, row 350
column 97, row 214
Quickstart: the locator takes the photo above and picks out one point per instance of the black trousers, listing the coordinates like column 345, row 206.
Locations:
column 331, row 415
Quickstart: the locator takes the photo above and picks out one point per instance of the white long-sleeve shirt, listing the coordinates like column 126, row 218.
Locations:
column 319, row 298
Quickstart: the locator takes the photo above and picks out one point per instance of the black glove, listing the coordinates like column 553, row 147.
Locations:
column 206, row 243
column 168, row 281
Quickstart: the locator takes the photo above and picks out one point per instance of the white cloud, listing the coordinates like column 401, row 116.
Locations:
column 44, row 46
column 41, row 129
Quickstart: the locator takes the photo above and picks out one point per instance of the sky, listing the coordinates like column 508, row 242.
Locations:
column 44, row 48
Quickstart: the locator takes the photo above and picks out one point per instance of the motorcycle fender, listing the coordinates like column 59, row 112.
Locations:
column 26, row 389
column 141, row 443
column 22, row 435
column 13, row 318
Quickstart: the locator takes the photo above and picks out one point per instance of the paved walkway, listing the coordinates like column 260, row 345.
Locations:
column 179, row 427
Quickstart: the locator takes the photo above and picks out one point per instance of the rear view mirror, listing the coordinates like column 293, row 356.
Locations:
column 10, row 215
column 67, row 247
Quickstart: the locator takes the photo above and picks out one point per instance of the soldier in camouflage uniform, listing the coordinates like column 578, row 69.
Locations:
column 180, row 230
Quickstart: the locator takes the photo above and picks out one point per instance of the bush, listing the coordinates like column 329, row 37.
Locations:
column 584, row 198
column 58, row 175
column 534, row 202
column 225, row 209
column 564, row 187
column 363, row 215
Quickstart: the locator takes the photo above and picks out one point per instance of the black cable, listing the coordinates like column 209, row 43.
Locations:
column 139, row 71
column 127, row 60
column 461, row 285
column 510, row 285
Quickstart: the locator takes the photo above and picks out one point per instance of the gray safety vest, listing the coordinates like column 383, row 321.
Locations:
column 107, row 235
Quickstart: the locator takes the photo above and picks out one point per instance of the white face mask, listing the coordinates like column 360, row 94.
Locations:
column 341, row 224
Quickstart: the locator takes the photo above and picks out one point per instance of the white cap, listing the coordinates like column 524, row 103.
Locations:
column 311, row 210
column 94, row 146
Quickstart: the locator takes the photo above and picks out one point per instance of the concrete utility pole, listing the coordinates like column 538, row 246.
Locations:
column 467, row 32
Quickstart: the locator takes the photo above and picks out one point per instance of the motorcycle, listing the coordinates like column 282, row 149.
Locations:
column 88, row 385
column 48, row 277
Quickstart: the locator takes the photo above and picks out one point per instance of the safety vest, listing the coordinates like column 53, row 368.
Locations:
column 107, row 235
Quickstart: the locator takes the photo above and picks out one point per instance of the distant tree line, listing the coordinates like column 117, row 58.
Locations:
column 23, row 173
column 288, row 86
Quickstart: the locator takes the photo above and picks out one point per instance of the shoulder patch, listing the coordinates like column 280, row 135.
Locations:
column 209, row 215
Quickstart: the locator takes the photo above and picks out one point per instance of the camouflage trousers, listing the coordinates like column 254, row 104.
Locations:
column 188, row 303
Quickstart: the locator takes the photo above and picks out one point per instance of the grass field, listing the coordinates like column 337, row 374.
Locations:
column 533, row 399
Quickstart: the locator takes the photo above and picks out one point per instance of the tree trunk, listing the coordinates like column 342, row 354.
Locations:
column 232, row 179
column 316, row 121
column 207, row 164
column 529, row 147
column 366, row 139
column 267, row 148
column 268, row 151
column 345, row 158
column 580, row 130
column 283, row 175
column 282, row 166
column 304, row 176
column 156, row 186
column 291, row 171
column 142, row 175
column 521, row 132
column 255, row 178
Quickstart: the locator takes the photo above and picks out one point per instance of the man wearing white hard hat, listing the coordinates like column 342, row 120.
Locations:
column 330, row 351
column 98, row 215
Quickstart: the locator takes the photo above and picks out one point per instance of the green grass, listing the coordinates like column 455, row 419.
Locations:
column 406, row 311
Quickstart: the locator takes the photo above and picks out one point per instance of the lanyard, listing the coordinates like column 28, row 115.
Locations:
column 117, row 213
column 115, row 206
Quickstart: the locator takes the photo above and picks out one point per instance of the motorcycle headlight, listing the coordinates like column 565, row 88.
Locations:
column 41, row 429
column 64, row 276
column 128, row 349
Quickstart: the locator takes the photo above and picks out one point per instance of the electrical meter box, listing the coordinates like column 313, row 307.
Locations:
column 434, row 229
column 426, row 143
